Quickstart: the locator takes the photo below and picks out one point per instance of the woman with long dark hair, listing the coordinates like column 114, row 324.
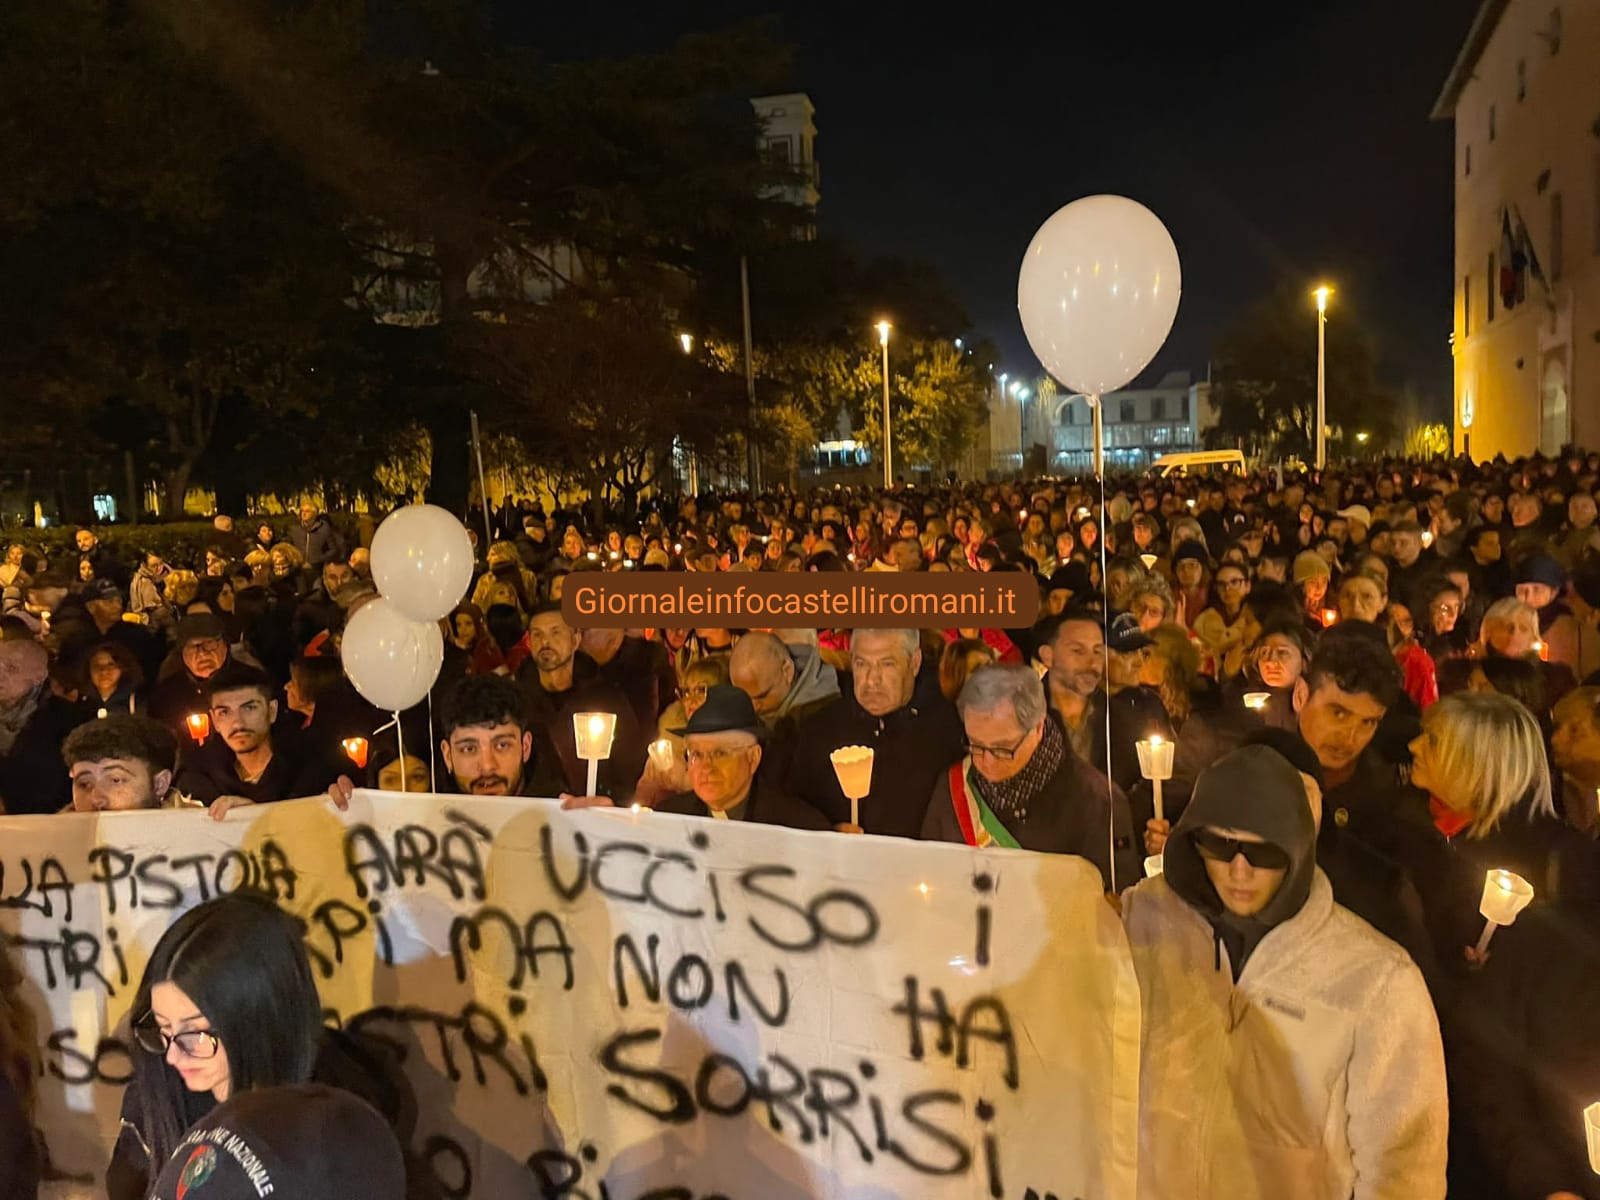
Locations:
column 19, row 1071
column 227, row 1005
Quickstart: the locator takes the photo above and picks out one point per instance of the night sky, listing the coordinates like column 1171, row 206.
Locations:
column 1280, row 142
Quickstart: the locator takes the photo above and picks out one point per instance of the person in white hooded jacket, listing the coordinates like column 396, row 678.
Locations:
column 1289, row 1049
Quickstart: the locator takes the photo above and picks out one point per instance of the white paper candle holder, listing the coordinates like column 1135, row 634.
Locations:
column 853, row 766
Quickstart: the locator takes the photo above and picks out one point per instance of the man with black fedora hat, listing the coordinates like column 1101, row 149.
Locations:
column 723, row 747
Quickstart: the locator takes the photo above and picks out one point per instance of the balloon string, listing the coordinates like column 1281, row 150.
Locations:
column 433, row 778
column 1105, row 648
column 400, row 737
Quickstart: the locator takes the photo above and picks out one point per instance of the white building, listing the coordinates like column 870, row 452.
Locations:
column 1524, row 94
column 1141, row 424
column 789, row 140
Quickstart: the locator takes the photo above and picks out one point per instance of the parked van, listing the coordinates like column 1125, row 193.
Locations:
column 1205, row 462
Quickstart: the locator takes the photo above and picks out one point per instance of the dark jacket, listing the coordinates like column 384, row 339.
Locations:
column 33, row 778
column 549, row 715
column 357, row 1063
column 766, row 805
column 19, row 1153
column 1522, row 1070
column 320, row 542
column 1072, row 817
column 639, row 669
column 296, row 770
column 913, row 745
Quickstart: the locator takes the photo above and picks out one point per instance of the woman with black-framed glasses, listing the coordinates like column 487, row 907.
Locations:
column 227, row 1005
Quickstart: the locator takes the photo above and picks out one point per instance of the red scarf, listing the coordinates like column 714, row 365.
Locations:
column 1446, row 819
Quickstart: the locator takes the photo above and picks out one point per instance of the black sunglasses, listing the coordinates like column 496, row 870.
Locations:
column 1261, row 855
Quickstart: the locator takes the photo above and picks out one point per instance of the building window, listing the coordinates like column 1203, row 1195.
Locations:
column 1127, row 410
column 1468, row 170
column 780, row 152
column 1466, row 306
column 1522, row 79
column 1556, row 236
column 1488, row 312
column 1491, row 123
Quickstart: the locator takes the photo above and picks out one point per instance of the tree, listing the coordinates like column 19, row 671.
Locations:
column 1264, row 381
column 166, row 267
column 483, row 180
column 938, row 399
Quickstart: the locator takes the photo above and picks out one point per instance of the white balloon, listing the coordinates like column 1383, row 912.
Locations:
column 1098, row 291
column 422, row 561
column 391, row 659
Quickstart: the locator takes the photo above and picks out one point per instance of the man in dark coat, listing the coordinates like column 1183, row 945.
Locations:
column 560, row 680
column 1021, row 785
column 723, row 748
column 896, row 708
column 201, row 642
column 33, row 724
column 316, row 538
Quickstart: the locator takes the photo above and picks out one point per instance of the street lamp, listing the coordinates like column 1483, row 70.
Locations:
column 888, row 461
column 686, row 340
column 1322, row 293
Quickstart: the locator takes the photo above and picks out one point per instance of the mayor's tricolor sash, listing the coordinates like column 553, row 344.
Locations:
column 979, row 826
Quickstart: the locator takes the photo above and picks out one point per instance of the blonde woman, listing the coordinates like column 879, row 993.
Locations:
column 1510, row 630
column 1481, row 760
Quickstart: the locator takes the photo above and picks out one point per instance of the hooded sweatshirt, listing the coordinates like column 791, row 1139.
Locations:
column 1312, row 1067
column 1253, row 790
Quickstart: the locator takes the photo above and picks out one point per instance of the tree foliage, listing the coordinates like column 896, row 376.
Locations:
column 1264, row 381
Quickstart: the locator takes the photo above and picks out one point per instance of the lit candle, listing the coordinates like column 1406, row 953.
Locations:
column 356, row 750
column 1591, row 1127
column 1330, row 616
column 1149, row 561
column 662, row 756
column 1505, row 894
column 199, row 726
column 593, row 733
column 101, row 714
column 1154, row 865
column 853, row 766
column 1155, row 764
column 1256, row 701
column 1542, row 649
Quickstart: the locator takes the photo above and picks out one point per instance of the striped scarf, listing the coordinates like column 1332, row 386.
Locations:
column 1011, row 797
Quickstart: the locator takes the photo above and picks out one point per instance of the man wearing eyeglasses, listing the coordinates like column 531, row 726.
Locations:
column 723, row 748
column 1021, row 785
column 202, row 645
column 1289, row 1048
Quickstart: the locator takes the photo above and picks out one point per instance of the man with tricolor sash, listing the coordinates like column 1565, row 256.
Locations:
column 1019, row 784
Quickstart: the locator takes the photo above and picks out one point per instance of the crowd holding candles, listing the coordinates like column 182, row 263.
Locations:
column 1339, row 732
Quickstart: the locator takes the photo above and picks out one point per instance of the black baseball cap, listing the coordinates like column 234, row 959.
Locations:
column 309, row 1142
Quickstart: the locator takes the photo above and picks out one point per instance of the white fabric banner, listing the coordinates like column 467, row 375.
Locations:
column 619, row 1005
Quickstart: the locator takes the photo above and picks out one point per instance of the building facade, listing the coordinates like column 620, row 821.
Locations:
column 1141, row 424
column 789, row 141
column 1524, row 94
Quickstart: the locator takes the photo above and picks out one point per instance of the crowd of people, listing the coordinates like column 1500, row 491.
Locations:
column 1380, row 684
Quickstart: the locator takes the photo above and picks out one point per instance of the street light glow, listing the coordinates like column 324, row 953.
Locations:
column 883, row 328
column 1023, row 394
column 1015, row 386
column 686, row 340
column 1361, row 437
column 1322, row 293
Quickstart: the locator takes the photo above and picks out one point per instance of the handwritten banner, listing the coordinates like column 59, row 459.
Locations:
column 617, row 1005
